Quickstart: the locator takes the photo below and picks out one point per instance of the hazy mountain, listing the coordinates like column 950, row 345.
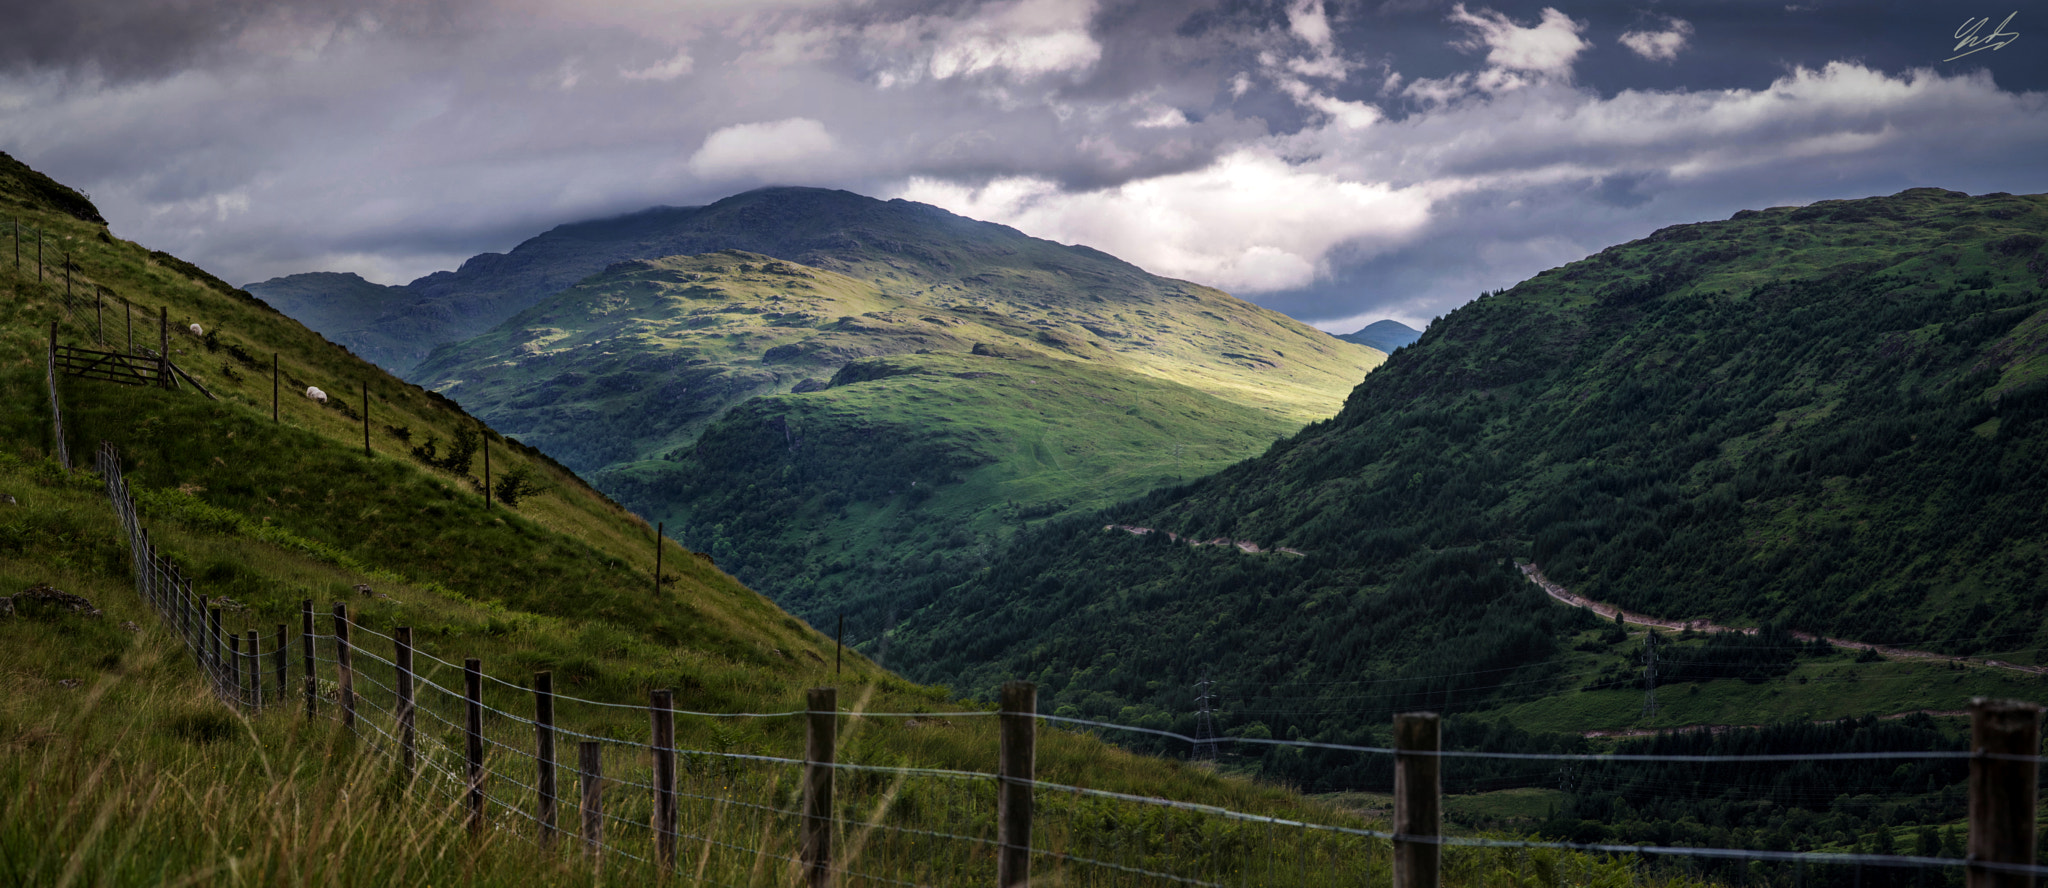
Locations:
column 1384, row 335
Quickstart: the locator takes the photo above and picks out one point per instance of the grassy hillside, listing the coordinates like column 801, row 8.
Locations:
column 121, row 768
column 1823, row 418
column 1027, row 380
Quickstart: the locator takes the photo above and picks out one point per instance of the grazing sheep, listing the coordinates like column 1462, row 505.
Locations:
column 196, row 331
column 314, row 392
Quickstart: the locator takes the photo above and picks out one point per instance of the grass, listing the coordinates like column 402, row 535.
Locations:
column 120, row 768
column 1817, row 689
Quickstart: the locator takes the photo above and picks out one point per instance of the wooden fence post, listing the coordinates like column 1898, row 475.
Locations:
column 345, row 674
column 663, row 714
column 163, row 342
column 821, row 729
column 255, row 673
column 306, row 636
column 402, row 638
column 1018, row 759
column 1417, row 807
column 278, row 663
column 473, row 691
column 591, row 780
column 544, row 754
column 234, row 670
column 213, row 664
column 2002, row 793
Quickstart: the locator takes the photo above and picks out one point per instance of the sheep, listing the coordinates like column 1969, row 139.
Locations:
column 196, row 331
column 314, row 392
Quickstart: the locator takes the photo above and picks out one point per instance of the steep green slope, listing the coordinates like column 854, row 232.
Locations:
column 851, row 499
column 1069, row 387
column 1827, row 417
column 122, row 769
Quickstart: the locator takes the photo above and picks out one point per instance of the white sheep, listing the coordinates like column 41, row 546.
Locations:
column 196, row 331
column 314, row 392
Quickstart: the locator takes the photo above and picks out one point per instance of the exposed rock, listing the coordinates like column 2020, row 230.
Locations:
column 7, row 499
column 68, row 682
column 130, row 626
column 364, row 590
column 43, row 593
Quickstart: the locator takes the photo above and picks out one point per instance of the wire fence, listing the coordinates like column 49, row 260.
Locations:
column 617, row 785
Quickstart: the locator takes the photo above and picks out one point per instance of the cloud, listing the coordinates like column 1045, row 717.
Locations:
column 1547, row 49
column 1250, row 222
column 763, row 150
column 676, row 66
column 1017, row 41
column 1516, row 57
column 1659, row 46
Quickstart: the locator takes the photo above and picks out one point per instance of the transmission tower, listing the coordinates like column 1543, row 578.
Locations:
column 1205, row 724
column 1650, row 674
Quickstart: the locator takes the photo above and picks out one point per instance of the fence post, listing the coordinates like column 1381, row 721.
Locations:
column 1018, row 758
column 544, row 754
column 2002, row 792
column 821, row 729
column 345, row 674
column 591, row 779
column 56, row 411
column 163, row 342
column 473, row 690
column 213, row 663
column 306, row 636
column 1417, row 812
column 662, row 711
column 234, row 670
column 402, row 637
column 278, row 662
column 255, row 673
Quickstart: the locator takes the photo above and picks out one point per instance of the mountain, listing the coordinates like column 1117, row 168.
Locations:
column 334, row 301
column 1384, row 335
column 1830, row 419
column 934, row 383
column 263, row 513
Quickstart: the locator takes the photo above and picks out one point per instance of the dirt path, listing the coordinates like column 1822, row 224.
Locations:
column 1722, row 729
column 1535, row 575
column 1246, row 546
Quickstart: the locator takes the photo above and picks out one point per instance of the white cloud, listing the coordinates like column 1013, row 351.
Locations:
column 1249, row 223
column 676, row 66
column 1019, row 41
column 1548, row 49
column 763, row 150
column 1309, row 21
column 1659, row 46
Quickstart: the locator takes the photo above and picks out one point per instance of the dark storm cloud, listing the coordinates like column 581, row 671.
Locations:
column 124, row 40
column 1331, row 159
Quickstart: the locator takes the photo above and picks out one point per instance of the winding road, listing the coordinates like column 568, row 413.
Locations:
column 1535, row 575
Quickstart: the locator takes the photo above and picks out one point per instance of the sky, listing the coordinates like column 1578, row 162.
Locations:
column 1339, row 161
